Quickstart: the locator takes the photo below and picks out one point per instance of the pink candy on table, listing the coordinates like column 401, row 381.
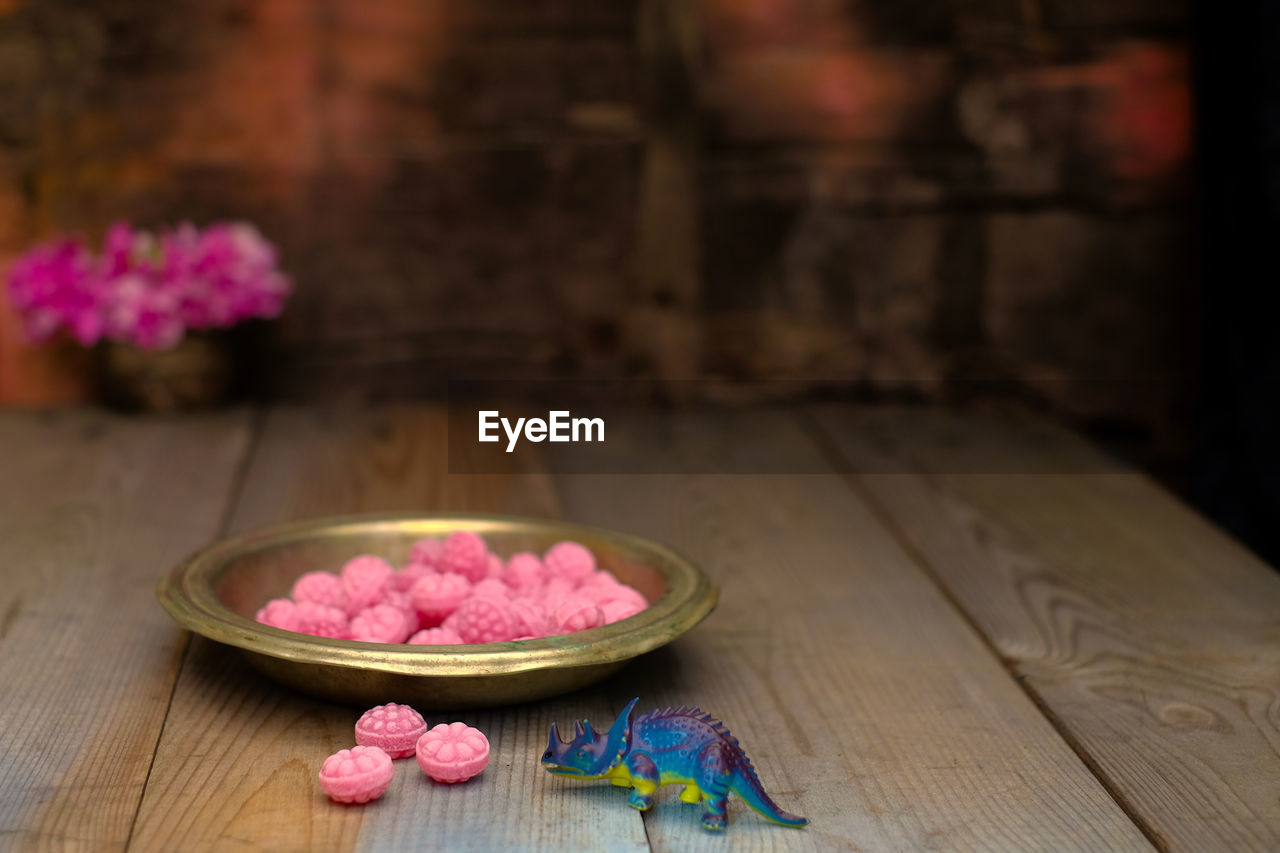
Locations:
column 356, row 775
column 440, row 636
column 570, row 561
column 452, row 752
column 464, row 554
column 381, row 623
column 321, row 588
column 279, row 613
column 366, row 580
column 393, row 728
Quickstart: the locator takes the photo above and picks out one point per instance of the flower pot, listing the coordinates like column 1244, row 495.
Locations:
column 196, row 373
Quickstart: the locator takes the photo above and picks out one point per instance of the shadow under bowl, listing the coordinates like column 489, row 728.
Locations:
column 217, row 591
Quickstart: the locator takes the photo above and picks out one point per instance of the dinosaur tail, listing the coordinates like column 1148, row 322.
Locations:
column 746, row 785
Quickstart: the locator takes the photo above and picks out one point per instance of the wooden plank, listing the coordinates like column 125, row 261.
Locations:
column 1149, row 635
column 867, row 703
column 93, row 510
column 236, row 766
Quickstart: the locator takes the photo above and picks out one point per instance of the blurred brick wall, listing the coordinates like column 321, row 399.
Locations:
column 921, row 193
column 897, row 194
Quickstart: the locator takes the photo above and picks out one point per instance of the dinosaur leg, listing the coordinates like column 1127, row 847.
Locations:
column 713, row 778
column 644, row 780
column 691, row 793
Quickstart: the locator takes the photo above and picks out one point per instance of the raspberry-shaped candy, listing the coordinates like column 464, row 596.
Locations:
column 356, row 775
column 492, row 586
column 426, row 552
column 570, row 561
column 403, row 602
column 409, row 575
column 321, row 620
column 365, row 580
column 436, row 637
column 393, row 728
column 555, row 591
column 619, row 609
column 279, row 613
column 530, row 618
column 320, row 587
column 524, row 571
column 381, row 623
column 464, row 554
column 453, row 752
column 496, row 568
column 435, row 597
column 486, row 619
column 576, row 614
column 603, row 593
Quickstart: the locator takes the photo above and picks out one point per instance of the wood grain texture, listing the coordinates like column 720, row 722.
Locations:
column 1150, row 635
column 866, row 702
column 236, row 765
column 93, row 510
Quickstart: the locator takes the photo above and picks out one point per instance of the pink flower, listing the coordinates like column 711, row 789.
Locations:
column 55, row 285
column 149, row 289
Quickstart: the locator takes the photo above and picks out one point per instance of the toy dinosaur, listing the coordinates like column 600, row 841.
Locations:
column 680, row 746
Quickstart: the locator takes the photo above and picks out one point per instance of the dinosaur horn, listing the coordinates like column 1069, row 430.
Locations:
column 578, row 730
column 555, row 735
column 590, row 732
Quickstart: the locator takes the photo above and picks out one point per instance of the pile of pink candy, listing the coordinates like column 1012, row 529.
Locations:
column 455, row 591
column 450, row 752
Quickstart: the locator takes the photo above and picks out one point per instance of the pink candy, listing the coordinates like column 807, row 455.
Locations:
column 279, row 613
column 439, row 636
column 320, row 620
column 619, row 609
column 356, row 775
column 525, row 571
column 486, row 619
column 570, row 561
column 321, row 588
column 576, row 613
column 450, row 752
column 365, row 581
column 464, row 554
column 426, row 552
column 437, row 596
column 393, row 728
column 381, row 623
column 409, row 575
column 455, row 591
column 453, row 752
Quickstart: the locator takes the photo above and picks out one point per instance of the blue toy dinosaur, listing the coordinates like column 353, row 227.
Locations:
column 681, row 746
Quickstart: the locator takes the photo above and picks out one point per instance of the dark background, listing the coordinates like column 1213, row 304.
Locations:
column 1068, row 203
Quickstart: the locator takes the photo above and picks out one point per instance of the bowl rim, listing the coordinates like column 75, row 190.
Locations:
column 187, row 593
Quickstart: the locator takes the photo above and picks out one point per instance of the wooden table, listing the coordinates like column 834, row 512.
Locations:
column 952, row 632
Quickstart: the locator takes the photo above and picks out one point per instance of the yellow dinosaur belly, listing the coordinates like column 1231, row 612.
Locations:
column 622, row 777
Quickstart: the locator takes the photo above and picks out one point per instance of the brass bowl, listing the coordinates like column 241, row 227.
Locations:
column 217, row 591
